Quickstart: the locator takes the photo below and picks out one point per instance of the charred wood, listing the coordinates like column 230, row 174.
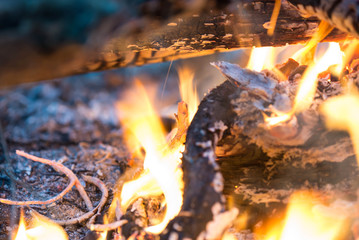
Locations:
column 44, row 41
column 261, row 164
column 203, row 199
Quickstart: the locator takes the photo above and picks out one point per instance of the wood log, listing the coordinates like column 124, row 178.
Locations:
column 200, row 169
column 261, row 164
column 44, row 41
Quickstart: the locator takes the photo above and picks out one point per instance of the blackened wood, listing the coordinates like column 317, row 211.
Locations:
column 199, row 166
column 262, row 165
column 342, row 14
column 49, row 40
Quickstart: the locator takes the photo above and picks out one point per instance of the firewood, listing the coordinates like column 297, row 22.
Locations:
column 200, row 169
column 342, row 14
column 122, row 34
column 261, row 164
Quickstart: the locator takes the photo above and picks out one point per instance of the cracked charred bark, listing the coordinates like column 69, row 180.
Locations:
column 43, row 41
column 261, row 165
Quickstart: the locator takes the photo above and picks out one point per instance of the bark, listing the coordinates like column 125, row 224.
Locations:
column 44, row 41
column 261, row 164
column 200, row 169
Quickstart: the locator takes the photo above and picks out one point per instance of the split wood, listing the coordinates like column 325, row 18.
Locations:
column 74, row 181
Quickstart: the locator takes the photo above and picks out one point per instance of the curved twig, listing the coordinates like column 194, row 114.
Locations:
column 98, row 183
column 107, row 227
column 59, row 168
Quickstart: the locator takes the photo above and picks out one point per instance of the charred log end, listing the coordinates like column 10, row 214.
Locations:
column 261, row 165
column 203, row 199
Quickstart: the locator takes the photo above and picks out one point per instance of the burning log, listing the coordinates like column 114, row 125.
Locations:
column 262, row 162
column 60, row 41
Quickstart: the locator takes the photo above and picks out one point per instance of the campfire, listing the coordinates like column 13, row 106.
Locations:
column 270, row 153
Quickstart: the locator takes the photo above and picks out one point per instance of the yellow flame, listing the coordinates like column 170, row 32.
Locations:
column 347, row 56
column 274, row 17
column 341, row 113
column 261, row 58
column 21, row 231
column 161, row 165
column 308, row 84
column 307, row 218
column 275, row 120
column 229, row 236
column 188, row 91
column 103, row 235
column 41, row 229
column 306, row 54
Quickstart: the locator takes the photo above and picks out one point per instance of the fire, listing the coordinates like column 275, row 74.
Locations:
column 350, row 49
column 161, row 174
column 41, row 229
column 261, row 58
column 308, row 85
column 341, row 113
column 308, row 217
column 306, row 54
column 21, row 231
column 187, row 91
column 274, row 17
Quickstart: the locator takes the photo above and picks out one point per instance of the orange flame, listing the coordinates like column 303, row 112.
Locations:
column 308, row 85
column 41, row 229
column 341, row 113
column 309, row 218
column 348, row 54
column 188, row 91
column 21, row 231
column 261, row 58
column 306, row 54
column 161, row 165
column 274, row 17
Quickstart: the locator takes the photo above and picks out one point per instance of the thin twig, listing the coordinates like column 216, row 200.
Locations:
column 108, row 154
column 182, row 126
column 107, row 227
column 60, row 168
column 97, row 182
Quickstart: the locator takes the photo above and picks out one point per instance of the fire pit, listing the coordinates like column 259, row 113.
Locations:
column 269, row 154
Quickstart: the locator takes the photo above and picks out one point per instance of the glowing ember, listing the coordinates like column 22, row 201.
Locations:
column 41, row 229
column 308, row 218
column 342, row 114
column 161, row 165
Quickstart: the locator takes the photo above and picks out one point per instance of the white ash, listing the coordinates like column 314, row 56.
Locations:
column 218, row 182
column 207, row 144
column 221, row 221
